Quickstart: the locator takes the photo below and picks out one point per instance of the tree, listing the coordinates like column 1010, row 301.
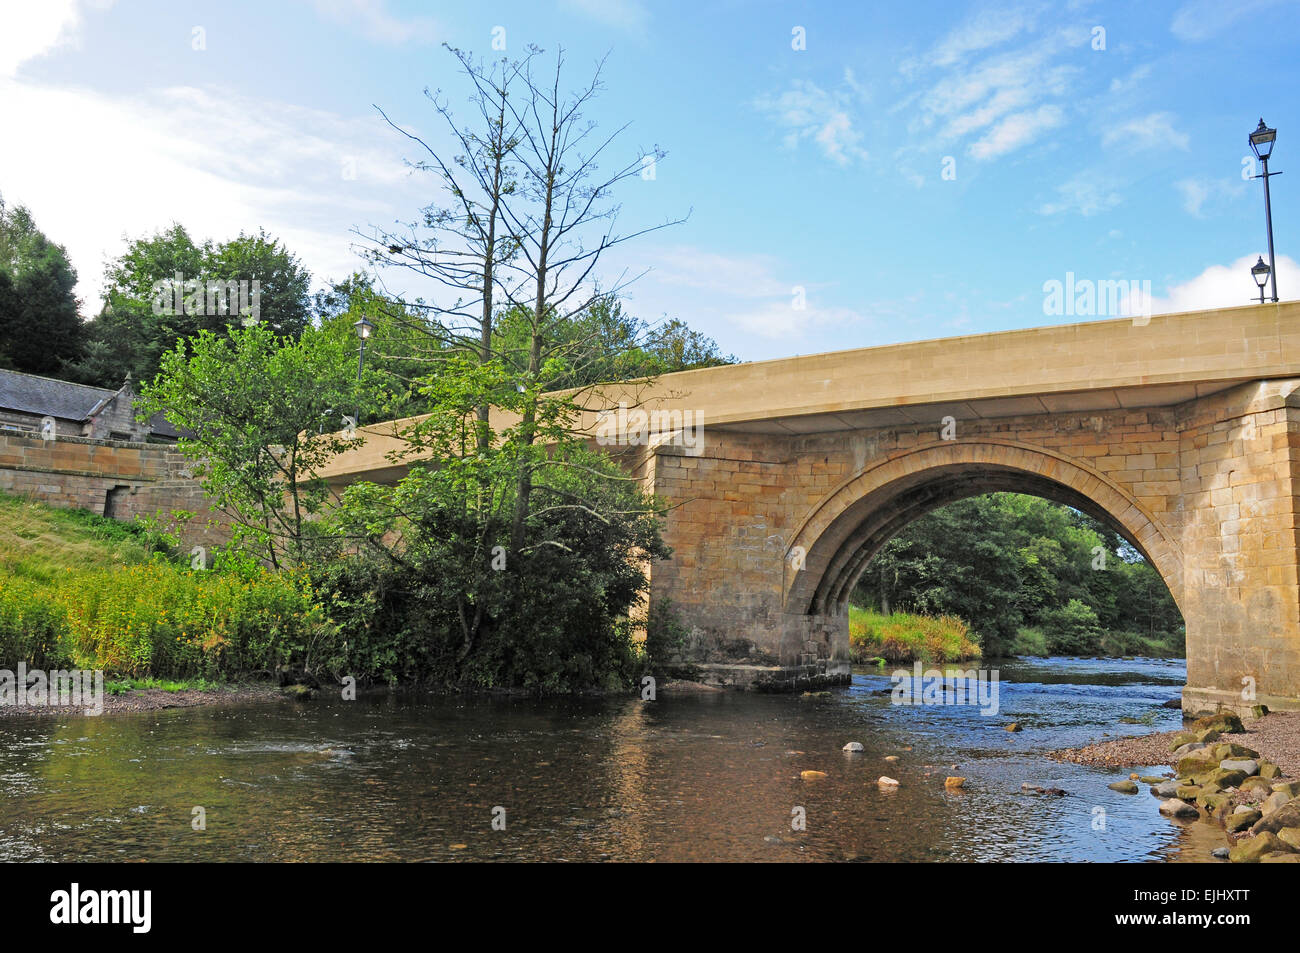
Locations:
column 165, row 288
column 40, row 327
column 261, row 410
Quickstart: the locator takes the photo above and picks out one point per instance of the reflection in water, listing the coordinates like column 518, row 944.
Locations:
column 691, row 777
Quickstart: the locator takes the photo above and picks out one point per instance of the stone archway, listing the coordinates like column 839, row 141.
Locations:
column 840, row 535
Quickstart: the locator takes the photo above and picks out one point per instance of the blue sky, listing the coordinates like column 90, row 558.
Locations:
column 1106, row 140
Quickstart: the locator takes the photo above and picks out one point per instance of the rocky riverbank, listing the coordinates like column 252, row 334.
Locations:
column 1242, row 777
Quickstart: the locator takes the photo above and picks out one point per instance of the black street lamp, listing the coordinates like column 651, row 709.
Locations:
column 1261, row 143
column 363, row 329
column 1260, row 272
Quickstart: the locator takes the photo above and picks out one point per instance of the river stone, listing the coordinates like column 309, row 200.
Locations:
column 1276, row 818
column 1289, row 788
column 1187, row 792
column 1239, row 822
column 953, row 782
column 1182, row 751
column 1167, row 788
column 1275, row 802
column 1251, row 849
column 1226, row 777
column 1256, row 784
column 1267, row 769
column 1184, row 739
column 854, row 746
column 812, row 775
column 1290, row 836
column 1230, row 749
column 886, row 782
column 1220, row 853
column 1176, row 808
column 1193, row 763
column 1123, row 787
column 1224, row 721
column 1258, row 711
column 1151, row 779
column 1014, row 726
column 1247, row 765
column 1216, row 804
column 1207, row 735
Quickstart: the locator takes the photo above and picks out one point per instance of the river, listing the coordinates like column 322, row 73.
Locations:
column 687, row 777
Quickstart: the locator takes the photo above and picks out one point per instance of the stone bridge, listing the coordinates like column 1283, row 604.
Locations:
column 1182, row 431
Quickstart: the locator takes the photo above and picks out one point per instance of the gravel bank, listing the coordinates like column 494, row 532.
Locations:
column 1275, row 736
column 155, row 699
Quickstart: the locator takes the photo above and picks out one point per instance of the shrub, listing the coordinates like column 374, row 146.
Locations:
column 902, row 637
column 1072, row 629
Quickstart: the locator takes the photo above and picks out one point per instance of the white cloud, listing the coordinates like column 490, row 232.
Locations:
column 32, row 30
column 1016, row 130
column 377, row 23
column 1153, row 131
column 1225, row 286
column 1087, row 193
column 1197, row 191
column 807, row 111
column 1131, row 81
column 210, row 160
column 1206, row 19
column 986, row 29
column 629, row 15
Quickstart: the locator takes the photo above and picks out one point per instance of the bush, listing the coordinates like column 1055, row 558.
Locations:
column 1072, row 629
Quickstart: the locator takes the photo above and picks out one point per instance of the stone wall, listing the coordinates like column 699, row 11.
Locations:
column 109, row 477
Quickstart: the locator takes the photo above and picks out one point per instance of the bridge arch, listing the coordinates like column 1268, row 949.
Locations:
column 847, row 527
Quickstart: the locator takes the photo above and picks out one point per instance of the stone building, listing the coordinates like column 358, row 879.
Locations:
column 77, row 410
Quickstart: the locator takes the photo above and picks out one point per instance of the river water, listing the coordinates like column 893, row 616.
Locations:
column 686, row 777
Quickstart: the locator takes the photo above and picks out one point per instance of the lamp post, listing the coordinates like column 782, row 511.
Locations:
column 1261, row 143
column 363, row 329
column 1260, row 272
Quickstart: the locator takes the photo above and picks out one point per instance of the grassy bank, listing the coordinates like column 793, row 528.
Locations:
column 901, row 637
column 81, row 591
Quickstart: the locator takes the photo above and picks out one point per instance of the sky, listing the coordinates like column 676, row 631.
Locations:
column 851, row 174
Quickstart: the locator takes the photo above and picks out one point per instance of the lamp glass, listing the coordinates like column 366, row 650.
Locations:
column 1262, row 140
column 1259, row 271
column 364, row 328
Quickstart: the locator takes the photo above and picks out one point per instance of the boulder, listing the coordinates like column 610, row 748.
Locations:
column 1215, row 804
column 1230, row 749
column 1246, row 765
column 1151, row 779
column 1235, row 823
column 1194, row 763
column 1289, row 788
column 1290, row 836
column 1277, row 857
column 1224, row 721
column 1182, row 740
column 1274, row 819
column 1187, row 748
column 1256, row 784
column 1123, row 787
column 1250, row 850
column 1268, row 769
column 1258, row 711
column 1187, row 792
column 1177, row 808
column 1275, row 802
column 1167, row 788
column 1225, row 777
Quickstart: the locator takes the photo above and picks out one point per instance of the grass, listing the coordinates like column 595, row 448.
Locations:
column 902, row 637
column 37, row 542
column 120, row 686
column 80, row 591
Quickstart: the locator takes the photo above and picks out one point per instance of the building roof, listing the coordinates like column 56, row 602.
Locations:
column 30, row 394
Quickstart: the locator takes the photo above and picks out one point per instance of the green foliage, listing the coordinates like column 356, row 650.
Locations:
column 1007, row 562
column 1072, row 629
column 255, row 404
column 40, row 328
column 903, row 637
column 140, row 322
column 156, row 620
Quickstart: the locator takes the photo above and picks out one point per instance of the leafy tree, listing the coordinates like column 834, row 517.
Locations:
column 257, row 407
column 166, row 288
column 40, row 327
